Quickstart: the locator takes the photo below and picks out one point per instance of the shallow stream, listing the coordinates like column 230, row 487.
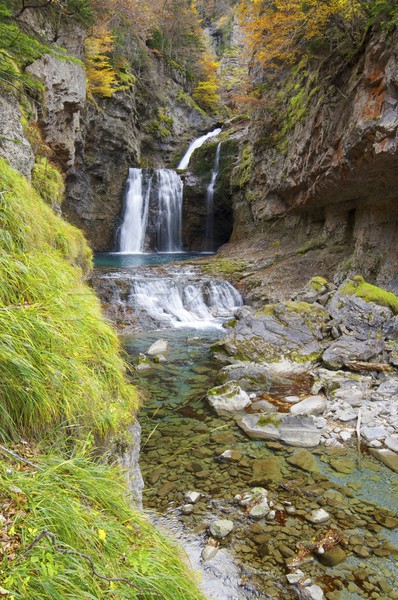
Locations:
column 182, row 443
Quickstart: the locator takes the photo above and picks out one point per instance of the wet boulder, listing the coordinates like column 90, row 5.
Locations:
column 228, row 398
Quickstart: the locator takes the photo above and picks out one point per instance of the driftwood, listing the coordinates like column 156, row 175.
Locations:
column 357, row 365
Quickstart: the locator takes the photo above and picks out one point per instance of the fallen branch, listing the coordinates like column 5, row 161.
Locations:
column 20, row 458
column 94, row 572
column 357, row 365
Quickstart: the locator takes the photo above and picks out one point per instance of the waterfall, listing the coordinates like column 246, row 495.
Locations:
column 209, row 201
column 175, row 302
column 169, row 212
column 193, row 146
column 132, row 231
column 153, row 212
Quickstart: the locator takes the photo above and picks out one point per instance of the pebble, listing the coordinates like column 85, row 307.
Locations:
column 192, row 497
column 295, row 577
column 315, row 592
column 318, row 516
column 209, row 552
column 187, row 509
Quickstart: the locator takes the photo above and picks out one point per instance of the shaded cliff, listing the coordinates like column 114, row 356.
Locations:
column 316, row 194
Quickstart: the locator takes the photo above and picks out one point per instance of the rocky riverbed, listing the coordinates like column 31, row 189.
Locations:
column 273, row 456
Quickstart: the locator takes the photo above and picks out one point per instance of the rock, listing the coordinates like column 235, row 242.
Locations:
column 258, row 427
column 374, row 433
column 295, row 577
column 187, row 509
column 142, row 363
column 304, row 460
column 387, row 457
column 314, row 405
column 262, row 406
column 250, row 376
column 299, row 431
column 267, row 470
column 346, row 435
column 256, row 495
column 345, row 415
column 65, row 95
column 209, row 552
column 392, row 442
column 342, row 465
column 221, row 528
column 231, row 455
column 192, row 497
column 347, row 349
column 14, row 147
column 259, row 510
column 158, row 347
column 228, row 398
column 313, row 592
column 318, row 516
column 292, row 330
column 332, row 557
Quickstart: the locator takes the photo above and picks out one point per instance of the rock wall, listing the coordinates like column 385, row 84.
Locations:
column 323, row 201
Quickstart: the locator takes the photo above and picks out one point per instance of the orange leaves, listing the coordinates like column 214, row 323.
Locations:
column 279, row 32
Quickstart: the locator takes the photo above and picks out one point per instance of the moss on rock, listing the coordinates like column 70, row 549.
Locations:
column 370, row 293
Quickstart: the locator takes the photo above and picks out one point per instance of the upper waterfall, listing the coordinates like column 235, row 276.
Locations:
column 184, row 162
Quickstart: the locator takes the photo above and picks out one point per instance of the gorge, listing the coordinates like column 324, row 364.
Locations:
column 239, row 194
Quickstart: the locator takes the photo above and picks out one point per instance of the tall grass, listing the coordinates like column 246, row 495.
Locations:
column 59, row 360
column 85, row 507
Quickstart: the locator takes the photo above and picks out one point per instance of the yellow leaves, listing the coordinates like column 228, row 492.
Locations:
column 278, row 32
column 101, row 76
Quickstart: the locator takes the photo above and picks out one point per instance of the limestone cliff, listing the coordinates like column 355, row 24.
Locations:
column 321, row 198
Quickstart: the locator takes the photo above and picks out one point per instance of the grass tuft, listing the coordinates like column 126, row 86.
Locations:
column 59, row 360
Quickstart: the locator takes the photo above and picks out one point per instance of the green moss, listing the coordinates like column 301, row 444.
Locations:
column 302, row 307
column 162, row 125
column 298, row 357
column 48, row 181
column 312, row 244
column 371, row 293
column 60, row 361
column 270, row 419
column 243, row 172
column 188, row 101
column 225, row 266
column 318, row 283
column 269, row 309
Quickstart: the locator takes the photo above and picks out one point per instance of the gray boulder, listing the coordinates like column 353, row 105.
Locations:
column 228, row 398
column 347, row 349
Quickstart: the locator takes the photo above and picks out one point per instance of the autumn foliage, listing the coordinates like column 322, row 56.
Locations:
column 279, row 32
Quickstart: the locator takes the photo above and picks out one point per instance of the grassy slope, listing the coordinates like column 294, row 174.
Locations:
column 61, row 373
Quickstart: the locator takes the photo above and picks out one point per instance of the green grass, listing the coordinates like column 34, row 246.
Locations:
column 59, row 360
column 84, row 505
column 370, row 293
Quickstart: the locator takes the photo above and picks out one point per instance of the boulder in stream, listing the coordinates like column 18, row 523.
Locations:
column 228, row 398
column 158, row 348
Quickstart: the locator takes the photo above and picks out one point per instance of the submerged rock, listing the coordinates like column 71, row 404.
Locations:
column 387, row 457
column 318, row 516
column 250, row 376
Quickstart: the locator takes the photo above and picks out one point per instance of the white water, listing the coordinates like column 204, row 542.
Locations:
column 209, row 200
column 132, row 231
column 193, row 146
column 176, row 303
column 169, row 211
column 153, row 212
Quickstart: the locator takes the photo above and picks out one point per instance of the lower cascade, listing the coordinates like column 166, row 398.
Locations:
column 174, row 301
column 152, row 213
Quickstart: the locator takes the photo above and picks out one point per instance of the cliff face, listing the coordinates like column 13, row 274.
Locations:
column 324, row 199
column 95, row 142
